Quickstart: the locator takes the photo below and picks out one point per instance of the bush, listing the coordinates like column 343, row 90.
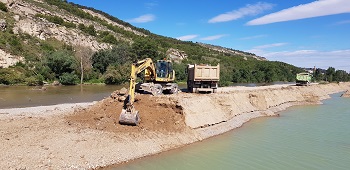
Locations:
column 3, row 7
column 109, row 39
column 69, row 24
column 61, row 62
column 117, row 74
column 10, row 76
column 89, row 30
column 37, row 80
column 68, row 79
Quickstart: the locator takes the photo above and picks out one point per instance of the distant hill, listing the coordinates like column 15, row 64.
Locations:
column 71, row 24
column 47, row 40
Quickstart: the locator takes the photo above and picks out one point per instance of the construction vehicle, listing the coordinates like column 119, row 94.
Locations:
column 157, row 78
column 202, row 78
column 303, row 79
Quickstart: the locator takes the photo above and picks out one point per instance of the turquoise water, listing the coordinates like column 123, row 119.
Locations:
column 303, row 137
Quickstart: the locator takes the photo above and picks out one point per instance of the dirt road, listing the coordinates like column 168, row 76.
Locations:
column 87, row 136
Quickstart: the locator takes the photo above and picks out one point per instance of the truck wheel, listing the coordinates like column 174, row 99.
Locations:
column 174, row 89
column 194, row 90
column 215, row 90
column 157, row 90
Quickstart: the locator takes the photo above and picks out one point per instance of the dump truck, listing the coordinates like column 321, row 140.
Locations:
column 303, row 79
column 202, row 78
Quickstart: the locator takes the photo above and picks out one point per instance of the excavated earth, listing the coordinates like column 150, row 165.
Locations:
column 88, row 136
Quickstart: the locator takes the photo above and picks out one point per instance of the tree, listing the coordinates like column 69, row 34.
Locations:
column 117, row 74
column 180, row 71
column 236, row 76
column 119, row 54
column 330, row 74
column 3, row 7
column 318, row 75
column 83, row 54
column 340, row 75
column 61, row 62
column 68, row 79
column 145, row 48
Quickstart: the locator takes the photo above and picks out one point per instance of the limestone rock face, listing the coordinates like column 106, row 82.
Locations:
column 3, row 25
column 176, row 55
column 7, row 60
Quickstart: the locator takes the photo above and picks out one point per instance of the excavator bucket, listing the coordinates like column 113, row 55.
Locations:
column 129, row 118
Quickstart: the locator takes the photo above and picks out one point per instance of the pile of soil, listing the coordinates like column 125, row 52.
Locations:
column 158, row 114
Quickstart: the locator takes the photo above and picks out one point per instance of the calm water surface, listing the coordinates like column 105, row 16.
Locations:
column 303, row 137
column 25, row 96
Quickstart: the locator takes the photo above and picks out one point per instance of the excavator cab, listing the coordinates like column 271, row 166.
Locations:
column 164, row 70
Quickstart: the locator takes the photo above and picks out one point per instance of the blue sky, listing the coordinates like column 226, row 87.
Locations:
column 305, row 33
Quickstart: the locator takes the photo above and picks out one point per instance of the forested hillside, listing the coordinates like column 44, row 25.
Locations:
column 52, row 40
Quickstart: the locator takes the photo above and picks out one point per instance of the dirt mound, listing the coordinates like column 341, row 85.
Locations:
column 157, row 114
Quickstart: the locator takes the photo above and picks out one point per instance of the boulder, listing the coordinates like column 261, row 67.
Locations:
column 3, row 25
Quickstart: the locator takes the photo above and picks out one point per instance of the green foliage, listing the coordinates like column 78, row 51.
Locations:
column 61, row 62
column 11, row 42
column 89, row 30
column 69, row 25
column 117, row 74
column 331, row 75
column 68, row 79
column 37, row 80
column 145, row 48
column 330, row 72
column 10, row 76
column 3, row 7
column 70, row 8
column 57, row 20
column 118, row 55
column 107, row 37
column 180, row 73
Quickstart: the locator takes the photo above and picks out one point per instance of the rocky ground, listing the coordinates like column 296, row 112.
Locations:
column 87, row 135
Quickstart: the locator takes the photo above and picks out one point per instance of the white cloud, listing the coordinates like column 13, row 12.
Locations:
column 143, row 19
column 240, row 13
column 253, row 37
column 310, row 10
column 270, row 45
column 343, row 22
column 214, row 37
column 151, row 5
column 187, row 37
column 339, row 59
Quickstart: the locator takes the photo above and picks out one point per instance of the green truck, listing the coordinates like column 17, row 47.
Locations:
column 303, row 79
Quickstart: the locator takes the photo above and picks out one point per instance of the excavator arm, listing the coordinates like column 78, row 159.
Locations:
column 129, row 115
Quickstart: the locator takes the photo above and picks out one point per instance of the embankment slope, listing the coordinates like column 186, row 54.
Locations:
column 88, row 137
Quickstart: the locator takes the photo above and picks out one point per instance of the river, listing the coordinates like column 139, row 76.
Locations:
column 28, row 96
column 303, row 137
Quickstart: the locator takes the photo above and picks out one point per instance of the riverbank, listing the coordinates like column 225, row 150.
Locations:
column 89, row 137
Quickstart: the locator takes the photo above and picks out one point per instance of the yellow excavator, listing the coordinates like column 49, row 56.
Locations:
column 157, row 78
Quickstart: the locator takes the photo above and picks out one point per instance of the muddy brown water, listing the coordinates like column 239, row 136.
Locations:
column 27, row 96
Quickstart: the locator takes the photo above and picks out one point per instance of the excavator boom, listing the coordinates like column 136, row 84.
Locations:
column 157, row 78
column 130, row 116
